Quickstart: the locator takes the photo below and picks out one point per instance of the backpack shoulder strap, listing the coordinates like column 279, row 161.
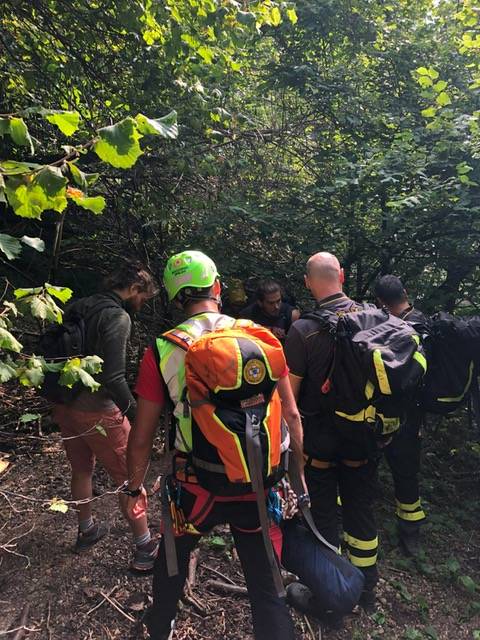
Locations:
column 179, row 338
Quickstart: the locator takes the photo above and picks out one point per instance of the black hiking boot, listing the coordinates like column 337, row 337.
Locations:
column 409, row 539
column 367, row 601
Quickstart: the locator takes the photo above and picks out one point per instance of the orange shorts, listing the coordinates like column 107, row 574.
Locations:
column 94, row 435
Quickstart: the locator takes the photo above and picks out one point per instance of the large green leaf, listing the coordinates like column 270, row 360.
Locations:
column 118, row 144
column 12, row 168
column 166, row 126
column 62, row 293
column 95, row 204
column 20, row 135
column 443, row 99
column 22, row 293
column 7, row 371
column 10, row 246
column 36, row 243
column 29, row 197
column 66, row 121
column 8, row 341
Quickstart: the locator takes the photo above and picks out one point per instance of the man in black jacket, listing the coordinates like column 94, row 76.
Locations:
column 96, row 425
column 403, row 453
column 270, row 311
column 336, row 462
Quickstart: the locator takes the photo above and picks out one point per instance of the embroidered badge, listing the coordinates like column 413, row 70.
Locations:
column 254, row 371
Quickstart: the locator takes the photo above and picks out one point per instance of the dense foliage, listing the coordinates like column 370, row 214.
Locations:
column 346, row 125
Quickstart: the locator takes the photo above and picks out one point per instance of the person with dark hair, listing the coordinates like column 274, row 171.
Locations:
column 96, row 425
column 403, row 453
column 270, row 311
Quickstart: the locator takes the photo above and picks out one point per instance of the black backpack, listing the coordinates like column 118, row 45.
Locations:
column 453, row 351
column 377, row 366
column 61, row 341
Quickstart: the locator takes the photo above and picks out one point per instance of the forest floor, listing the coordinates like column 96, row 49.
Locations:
column 62, row 593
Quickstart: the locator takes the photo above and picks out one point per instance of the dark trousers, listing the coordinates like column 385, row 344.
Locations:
column 271, row 618
column 403, row 458
column 351, row 462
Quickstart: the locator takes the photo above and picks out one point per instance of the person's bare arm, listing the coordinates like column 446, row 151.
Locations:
column 140, row 442
column 292, row 418
column 295, row 383
column 295, row 315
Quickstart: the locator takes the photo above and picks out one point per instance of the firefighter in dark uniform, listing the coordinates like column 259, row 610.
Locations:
column 336, row 462
column 403, row 453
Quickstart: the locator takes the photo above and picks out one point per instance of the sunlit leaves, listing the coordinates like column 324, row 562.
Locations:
column 31, row 195
column 19, row 133
column 443, row 99
column 118, row 144
column 32, row 375
column 61, row 293
column 81, row 370
column 66, row 121
column 165, row 127
column 8, row 341
column 95, row 204
column 58, row 505
column 40, row 301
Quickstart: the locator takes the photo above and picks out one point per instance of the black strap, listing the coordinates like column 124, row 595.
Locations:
column 254, row 456
column 297, row 486
column 168, row 533
column 475, row 396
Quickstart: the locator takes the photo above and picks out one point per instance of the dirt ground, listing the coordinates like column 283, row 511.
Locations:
column 61, row 594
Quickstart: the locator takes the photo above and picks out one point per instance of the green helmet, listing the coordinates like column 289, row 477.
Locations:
column 188, row 270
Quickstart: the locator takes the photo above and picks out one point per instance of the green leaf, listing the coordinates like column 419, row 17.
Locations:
column 101, row 429
column 21, row 293
column 432, row 73
column 11, row 167
column 443, row 99
column 292, row 16
column 87, row 380
column 476, row 634
column 91, row 364
column 378, row 617
column 29, row 417
column 20, row 135
column 77, row 175
column 425, row 81
column 30, row 197
column 275, row 16
column 118, row 144
column 57, row 504
column 36, row 243
column 66, row 121
column 422, row 71
column 62, row 293
column 468, row 583
column 10, row 246
column 431, row 112
column 39, row 307
column 217, row 542
column 7, row 372
column 440, row 86
column 9, row 342
column 166, row 126
column 95, row 204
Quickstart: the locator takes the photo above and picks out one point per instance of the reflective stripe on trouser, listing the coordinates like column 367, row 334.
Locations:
column 361, row 553
column 412, row 512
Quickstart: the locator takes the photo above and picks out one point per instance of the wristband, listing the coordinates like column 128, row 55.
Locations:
column 133, row 493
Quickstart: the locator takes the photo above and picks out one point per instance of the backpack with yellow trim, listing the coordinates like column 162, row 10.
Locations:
column 376, row 369
column 236, row 419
